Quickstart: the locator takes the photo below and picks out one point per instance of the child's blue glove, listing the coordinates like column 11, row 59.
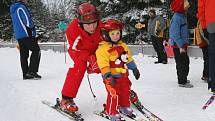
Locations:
column 109, row 84
column 108, row 79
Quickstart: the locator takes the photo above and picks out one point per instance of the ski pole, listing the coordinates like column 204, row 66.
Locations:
column 141, row 44
column 94, row 96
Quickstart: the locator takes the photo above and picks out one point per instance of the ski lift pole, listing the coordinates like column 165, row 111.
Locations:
column 62, row 26
column 139, row 26
column 64, row 46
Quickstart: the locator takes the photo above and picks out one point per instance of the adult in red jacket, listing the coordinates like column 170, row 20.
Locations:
column 83, row 35
column 207, row 19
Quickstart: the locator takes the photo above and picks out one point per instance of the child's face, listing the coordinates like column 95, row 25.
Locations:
column 114, row 35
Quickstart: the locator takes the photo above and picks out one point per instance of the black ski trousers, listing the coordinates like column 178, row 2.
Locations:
column 25, row 45
column 206, row 62
column 157, row 43
column 182, row 65
column 211, row 53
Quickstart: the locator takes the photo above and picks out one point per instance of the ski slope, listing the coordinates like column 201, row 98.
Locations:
column 157, row 89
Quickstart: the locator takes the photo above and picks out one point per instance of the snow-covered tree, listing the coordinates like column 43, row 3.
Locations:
column 130, row 12
column 5, row 20
column 48, row 13
column 41, row 18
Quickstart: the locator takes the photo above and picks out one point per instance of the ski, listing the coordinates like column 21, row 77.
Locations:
column 104, row 115
column 133, row 117
column 210, row 100
column 72, row 116
column 142, row 109
column 153, row 116
column 150, row 116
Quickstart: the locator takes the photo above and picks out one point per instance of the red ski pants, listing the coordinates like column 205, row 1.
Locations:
column 75, row 75
column 122, row 99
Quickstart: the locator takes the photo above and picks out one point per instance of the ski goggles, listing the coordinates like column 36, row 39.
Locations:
column 89, row 17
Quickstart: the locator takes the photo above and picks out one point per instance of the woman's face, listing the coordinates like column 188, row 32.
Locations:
column 186, row 5
column 114, row 35
column 90, row 28
column 151, row 15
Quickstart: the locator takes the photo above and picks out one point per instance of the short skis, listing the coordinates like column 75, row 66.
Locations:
column 132, row 117
column 142, row 109
column 75, row 116
column 102, row 114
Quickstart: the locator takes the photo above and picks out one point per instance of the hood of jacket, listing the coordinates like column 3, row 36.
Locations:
column 15, row 6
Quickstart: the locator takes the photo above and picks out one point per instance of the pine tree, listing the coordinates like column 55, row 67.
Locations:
column 47, row 16
column 39, row 14
column 134, row 12
column 41, row 18
column 5, row 20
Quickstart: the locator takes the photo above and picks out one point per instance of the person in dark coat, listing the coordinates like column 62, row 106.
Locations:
column 156, row 26
column 25, row 33
column 207, row 19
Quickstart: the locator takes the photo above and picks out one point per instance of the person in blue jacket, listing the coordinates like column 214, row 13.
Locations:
column 179, row 40
column 25, row 33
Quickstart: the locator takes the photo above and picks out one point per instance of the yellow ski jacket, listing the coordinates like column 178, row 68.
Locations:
column 114, row 58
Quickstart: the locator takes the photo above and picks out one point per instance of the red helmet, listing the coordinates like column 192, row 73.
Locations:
column 112, row 24
column 87, row 13
column 177, row 6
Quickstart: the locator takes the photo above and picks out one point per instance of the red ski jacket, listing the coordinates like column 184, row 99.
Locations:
column 80, row 42
column 206, row 12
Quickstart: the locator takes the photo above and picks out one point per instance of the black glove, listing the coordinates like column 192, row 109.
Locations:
column 136, row 73
column 209, row 85
column 158, row 32
column 29, row 31
column 206, row 34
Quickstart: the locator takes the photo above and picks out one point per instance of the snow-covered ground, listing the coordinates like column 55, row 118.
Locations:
column 157, row 89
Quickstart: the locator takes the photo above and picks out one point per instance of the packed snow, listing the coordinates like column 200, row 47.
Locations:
column 157, row 89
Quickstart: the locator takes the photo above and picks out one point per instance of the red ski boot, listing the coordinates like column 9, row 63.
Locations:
column 68, row 105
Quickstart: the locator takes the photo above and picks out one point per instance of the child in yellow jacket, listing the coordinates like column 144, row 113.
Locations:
column 114, row 59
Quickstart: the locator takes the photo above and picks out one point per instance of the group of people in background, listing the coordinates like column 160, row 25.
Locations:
column 179, row 37
column 92, row 41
